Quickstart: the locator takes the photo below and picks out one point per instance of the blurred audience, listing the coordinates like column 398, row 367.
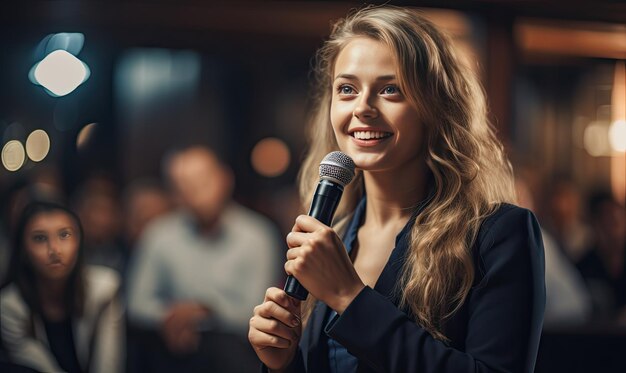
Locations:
column 96, row 203
column 198, row 272
column 565, row 218
column 58, row 314
column 41, row 185
column 567, row 299
column 604, row 266
column 143, row 201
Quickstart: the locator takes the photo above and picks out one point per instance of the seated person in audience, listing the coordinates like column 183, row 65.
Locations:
column 58, row 314
column 604, row 266
column 196, row 272
column 144, row 201
column 568, row 301
column 97, row 204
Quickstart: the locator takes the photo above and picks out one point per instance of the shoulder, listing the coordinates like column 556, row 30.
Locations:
column 11, row 300
column 250, row 219
column 508, row 220
column 509, row 238
column 14, row 311
column 102, row 283
column 161, row 232
column 165, row 223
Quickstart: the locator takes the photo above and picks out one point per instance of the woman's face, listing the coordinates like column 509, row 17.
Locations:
column 373, row 121
column 51, row 241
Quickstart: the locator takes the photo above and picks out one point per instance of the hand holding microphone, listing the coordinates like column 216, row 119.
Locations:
column 316, row 259
column 336, row 171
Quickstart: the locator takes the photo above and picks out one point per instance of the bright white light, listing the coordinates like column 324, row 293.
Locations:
column 13, row 155
column 37, row 145
column 617, row 135
column 596, row 140
column 60, row 72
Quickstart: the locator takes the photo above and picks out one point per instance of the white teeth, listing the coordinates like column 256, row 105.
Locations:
column 366, row 135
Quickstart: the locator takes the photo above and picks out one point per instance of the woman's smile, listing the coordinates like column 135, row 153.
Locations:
column 374, row 123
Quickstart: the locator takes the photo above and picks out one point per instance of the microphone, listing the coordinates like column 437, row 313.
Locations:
column 336, row 171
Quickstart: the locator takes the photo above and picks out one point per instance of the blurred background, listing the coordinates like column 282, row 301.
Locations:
column 94, row 93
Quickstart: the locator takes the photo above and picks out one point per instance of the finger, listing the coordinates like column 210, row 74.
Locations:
column 293, row 253
column 273, row 327
column 260, row 339
column 277, row 296
column 295, row 239
column 305, row 223
column 281, row 297
column 271, row 310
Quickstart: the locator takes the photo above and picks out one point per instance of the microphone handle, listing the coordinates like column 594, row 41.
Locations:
column 323, row 207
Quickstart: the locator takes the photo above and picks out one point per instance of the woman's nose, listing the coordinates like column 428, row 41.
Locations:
column 53, row 249
column 364, row 108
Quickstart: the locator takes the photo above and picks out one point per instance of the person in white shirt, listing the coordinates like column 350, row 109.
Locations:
column 199, row 270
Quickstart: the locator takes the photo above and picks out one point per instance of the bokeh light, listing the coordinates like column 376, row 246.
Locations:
column 37, row 145
column 13, row 155
column 596, row 139
column 84, row 135
column 617, row 135
column 60, row 73
column 71, row 42
column 270, row 157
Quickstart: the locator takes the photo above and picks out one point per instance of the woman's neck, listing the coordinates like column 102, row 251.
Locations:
column 393, row 195
column 52, row 296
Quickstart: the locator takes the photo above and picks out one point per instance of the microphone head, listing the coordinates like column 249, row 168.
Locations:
column 337, row 167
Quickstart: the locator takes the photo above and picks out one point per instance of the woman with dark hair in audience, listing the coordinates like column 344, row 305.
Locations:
column 58, row 314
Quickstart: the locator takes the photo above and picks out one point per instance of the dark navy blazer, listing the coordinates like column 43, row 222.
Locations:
column 497, row 329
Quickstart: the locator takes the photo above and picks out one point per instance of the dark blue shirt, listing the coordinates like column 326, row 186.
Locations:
column 339, row 359
column 61, row 339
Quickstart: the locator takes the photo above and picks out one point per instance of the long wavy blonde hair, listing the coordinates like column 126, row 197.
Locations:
column 471, row 173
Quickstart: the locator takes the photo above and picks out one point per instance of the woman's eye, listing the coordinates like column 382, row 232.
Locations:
column 391, row 90
column 346, row 90
column 65, row 234
column 40, row 238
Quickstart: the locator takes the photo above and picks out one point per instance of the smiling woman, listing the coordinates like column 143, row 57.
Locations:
column 429, row 261
column 373, row 121
column 57, row 314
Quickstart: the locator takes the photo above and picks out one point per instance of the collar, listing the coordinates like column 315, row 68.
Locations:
column 388, row 278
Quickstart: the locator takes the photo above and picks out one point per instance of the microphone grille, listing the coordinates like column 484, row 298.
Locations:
column 337, row 167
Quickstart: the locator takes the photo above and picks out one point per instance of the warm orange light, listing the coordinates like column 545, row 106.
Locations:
column 618, row 114
column 84, row 135
column 270, row 157
column 570, row 38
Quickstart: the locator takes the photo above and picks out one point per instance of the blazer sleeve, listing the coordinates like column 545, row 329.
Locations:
column 505, row 312
column 296, row 365
column 22, row 346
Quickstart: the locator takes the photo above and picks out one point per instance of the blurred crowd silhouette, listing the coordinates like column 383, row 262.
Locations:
column 153, row 276
column 179, row 263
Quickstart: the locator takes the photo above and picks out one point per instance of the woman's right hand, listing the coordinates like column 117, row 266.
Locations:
column 275, row 329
